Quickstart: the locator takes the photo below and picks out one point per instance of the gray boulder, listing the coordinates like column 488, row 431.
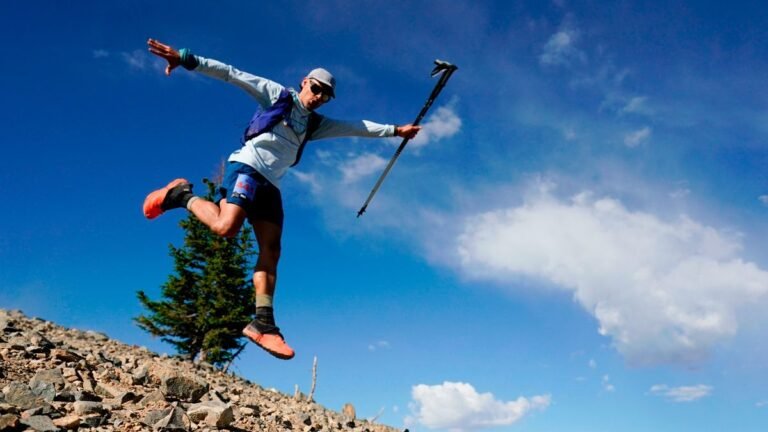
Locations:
column 183, row 387
column 21, row 396
column 40, row 423
column 82, row 408
column 213, row 413
column 169, row 419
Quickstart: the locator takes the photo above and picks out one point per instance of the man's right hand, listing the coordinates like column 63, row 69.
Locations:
column 165, row 51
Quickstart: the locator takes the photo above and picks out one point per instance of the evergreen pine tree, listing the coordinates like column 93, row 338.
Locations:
column 209, row 299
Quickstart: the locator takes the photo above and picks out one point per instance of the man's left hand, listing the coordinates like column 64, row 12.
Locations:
column 407, row 131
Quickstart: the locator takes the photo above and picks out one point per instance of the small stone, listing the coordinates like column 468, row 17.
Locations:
column 8, row 421
column 140, row 375
column 155, row 396
column 124, row 398
column 64, row 396
column 87, row 396
column 21, row 395
column 172, row 419
column 40, row 423
column 247, row 411
column 64, row 355
column 94, row 420
column 216, row 414
column 304, row 418
column 49, row 376
column 6, row 408
column 88, row 383
column 154, row 416
column 106, row 390
column 40, row 341
column 8, row 325
column 32, row 412
column 349, row 411
column 84, row 408
column 68, row 422
column 46, row 391
column 100, row 337
column 183, row 387
column 18, row 343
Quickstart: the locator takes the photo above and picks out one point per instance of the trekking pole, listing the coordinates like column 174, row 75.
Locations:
column 441, row 67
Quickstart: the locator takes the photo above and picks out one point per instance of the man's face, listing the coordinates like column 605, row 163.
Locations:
column 313, row 94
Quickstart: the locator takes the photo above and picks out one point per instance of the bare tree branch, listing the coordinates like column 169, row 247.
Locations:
column 314, row 380
column 229, row 363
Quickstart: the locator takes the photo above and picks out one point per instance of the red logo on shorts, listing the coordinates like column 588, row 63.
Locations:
column 244, row 186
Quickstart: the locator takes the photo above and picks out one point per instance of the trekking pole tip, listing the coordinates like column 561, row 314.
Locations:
column 442, row 65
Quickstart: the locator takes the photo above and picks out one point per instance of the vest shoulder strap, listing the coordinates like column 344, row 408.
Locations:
column 264, row 120
column 313, row 122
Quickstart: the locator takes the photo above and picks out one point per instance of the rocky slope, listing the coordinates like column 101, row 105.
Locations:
column 53, row 378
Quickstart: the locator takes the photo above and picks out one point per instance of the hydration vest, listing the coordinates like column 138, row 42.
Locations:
column 266, row 119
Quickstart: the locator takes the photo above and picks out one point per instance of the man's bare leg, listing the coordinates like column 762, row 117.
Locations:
column 224, row 219
column 263, row 329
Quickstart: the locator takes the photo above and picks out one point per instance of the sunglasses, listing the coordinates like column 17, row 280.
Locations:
column 317, row 89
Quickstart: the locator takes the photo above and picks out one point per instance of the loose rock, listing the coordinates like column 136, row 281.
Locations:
column 8, row 422
column 183, row 387
column 40, row 424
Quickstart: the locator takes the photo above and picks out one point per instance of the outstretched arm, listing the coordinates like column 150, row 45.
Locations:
column 263, row 90
column 331, row 128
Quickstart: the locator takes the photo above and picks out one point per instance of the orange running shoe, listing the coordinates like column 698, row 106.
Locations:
column 272, row 343
column 158, row 201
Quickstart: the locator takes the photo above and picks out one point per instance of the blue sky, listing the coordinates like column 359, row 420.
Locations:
column 574, row 242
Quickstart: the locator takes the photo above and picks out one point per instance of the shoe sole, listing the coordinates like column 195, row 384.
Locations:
column 255, row 340
column 153, row 202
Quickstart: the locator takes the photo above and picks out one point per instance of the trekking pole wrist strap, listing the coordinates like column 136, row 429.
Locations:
column 187, row 59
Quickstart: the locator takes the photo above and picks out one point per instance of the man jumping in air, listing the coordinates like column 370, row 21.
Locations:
column 273, row 142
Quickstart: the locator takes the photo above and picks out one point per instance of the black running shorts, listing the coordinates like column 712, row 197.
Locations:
column 247, row 188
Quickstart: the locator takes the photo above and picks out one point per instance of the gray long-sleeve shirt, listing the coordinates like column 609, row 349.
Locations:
column 272, row 153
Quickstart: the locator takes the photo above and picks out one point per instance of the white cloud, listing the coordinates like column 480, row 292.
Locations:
column 457, row 406
column 309, row 179
column 636, row 105
column 635, row 138
column 592, row 363
column 100, row 53
column 665, row 291
column 361, row 166
column 570, row 134
column 382, row 344
column 763, row 199
column 761, row 404
column 444, row 123
column 680, row 193
column 137, row 59
column 607, row 386
column 683, row 393
column 561, row 49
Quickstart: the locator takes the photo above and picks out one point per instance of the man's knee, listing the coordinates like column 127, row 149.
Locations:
column 226, row 229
